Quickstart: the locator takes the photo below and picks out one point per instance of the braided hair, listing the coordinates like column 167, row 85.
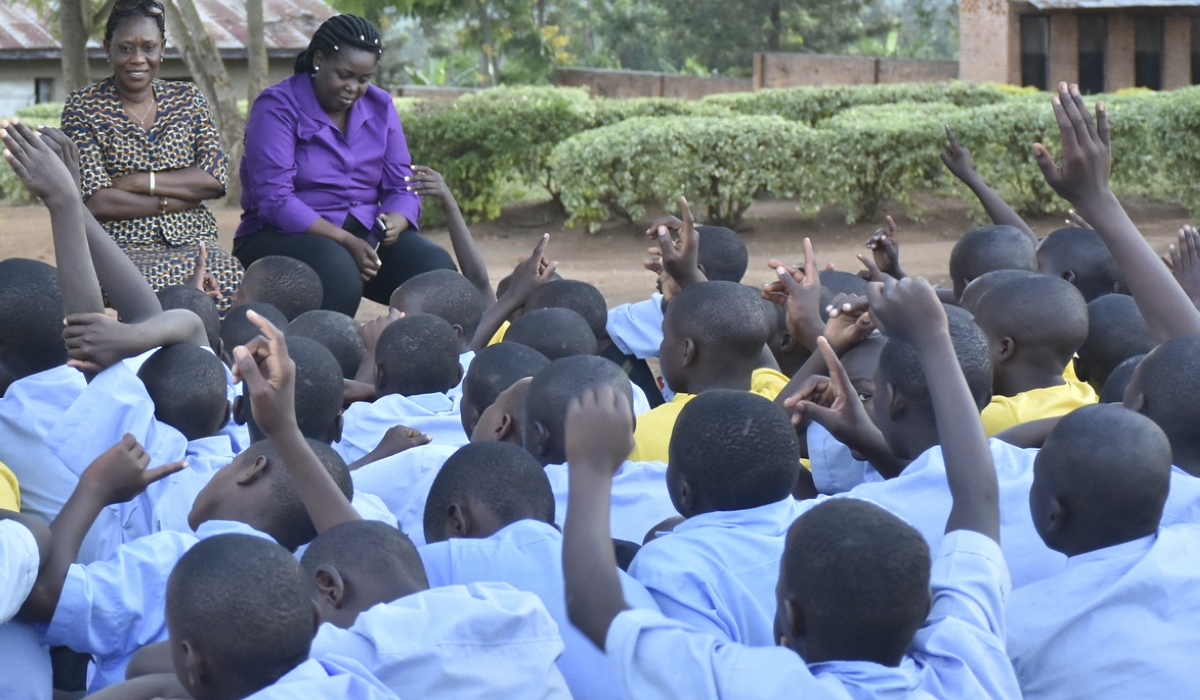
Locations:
column 125, row 10
column 336, row 32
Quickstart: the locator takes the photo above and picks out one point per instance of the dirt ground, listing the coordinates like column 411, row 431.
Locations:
column 612, row 259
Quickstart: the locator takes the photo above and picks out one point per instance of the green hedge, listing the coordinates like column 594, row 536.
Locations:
column 11, row 189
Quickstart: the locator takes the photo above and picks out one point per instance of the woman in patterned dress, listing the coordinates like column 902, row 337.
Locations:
column 150, row 156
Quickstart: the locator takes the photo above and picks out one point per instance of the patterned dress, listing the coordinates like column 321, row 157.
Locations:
column 164, row 247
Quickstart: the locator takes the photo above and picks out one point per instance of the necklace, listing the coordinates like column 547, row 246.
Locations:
column 142, row 118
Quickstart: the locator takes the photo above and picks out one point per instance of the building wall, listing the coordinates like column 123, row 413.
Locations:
column 1064, row 48
column 987, row 30
column 620, row 84
column 1118, row 58
column 1177, row 52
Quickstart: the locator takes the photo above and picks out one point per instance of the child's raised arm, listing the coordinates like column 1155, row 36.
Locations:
column 909, row 311
column 599, row 437
column 958, row 162
column 427, row 182
column 270, row 377
column 527, row 276
column 114, row 477
column 44, row 174
column 1083, row 180
column 97, row 341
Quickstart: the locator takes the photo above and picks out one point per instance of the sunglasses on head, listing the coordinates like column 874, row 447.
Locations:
column 152, row 7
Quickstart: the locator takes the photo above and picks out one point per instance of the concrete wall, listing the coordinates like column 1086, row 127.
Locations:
column 986, row 29
column 1177, row 52
column 779, row 70
column 620, row 84
column 1064, row 48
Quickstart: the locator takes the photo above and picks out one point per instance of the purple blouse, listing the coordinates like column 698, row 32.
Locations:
column 298, row 166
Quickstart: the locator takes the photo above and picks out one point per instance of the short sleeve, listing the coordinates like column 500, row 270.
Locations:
column 75, row 124
column 19, row 560
column 970, row 581
column 636, row 329
column 209, row 156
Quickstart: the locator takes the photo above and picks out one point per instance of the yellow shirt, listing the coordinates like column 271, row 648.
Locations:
column 652, row 436
column 499, row 336
column 1006, row 411
column 10, row 493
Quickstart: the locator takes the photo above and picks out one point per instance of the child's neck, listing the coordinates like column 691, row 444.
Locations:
column 1017, row 378
column 730, row 376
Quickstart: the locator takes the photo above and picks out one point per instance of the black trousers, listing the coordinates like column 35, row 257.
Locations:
column 409, row 256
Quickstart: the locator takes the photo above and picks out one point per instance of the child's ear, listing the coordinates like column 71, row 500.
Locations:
column 330, row 586
column 339, row 422
column 897, row 405
column 787, row 343
column 541, row 440
column 458, row 522
column 505, row 429
column 458, row 330
column 1007, row 348
column 1057, row 516
column 1068, row 275
column 252, row 473
column 796, row 626
column 689, row 352
column 687, row 497
column 1135, row 402
column 241, row 410
column 194, row 663
column 380, row 376
column 220, row 350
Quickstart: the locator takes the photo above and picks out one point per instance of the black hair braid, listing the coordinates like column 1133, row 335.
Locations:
column 124, row 11
column 336, row 32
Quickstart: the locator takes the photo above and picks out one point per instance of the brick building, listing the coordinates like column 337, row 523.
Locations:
column 1103, row 46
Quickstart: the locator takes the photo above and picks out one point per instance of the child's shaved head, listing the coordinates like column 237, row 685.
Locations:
column 554, row 332
column 1079, row 256
column 494, row 369
column 1116, row 332
column 990, row 248
column 859, row 578
column 710, row 327
column 31, row 317
column 551, row 391
column 986, row 282
column 722, row 255
column 1166, row 389
column 340, row 334
column 1100, row 479
column 288, row 284
column 185, row 296
column 580, row 297
column 239, row 616
column 1046, row 317
column 188, row 387
column 415, row 355
column 446, row 294
column 736, row 450
column 497, row 476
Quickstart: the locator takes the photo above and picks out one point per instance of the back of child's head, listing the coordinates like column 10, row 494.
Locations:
column 288, row 284
column 1046, row 318
column 1119, row 379
column 239, row 616
column 552, row 390
column 722, row 255
column 494, row 369
column 1079, row 256
column 446, row 294
column 1116, row 332
column 554, row 332
column 285, row 506
column 736, row 450
column 237, row 330
column 188, row 386
column 319, row 391
column 578, row 296
column 986, row 282
column 373, row 562
column 339, row 333
column 1166, row 389
column 185, row 296
column 900, row 368
column 31, row 317
column 415, row 355
column 725, row 323
column 1100, row 479
column 990, row 248
column 860, row 577
column 838, row 282
column 499, row 477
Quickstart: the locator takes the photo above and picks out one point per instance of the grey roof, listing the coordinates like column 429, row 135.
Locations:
column 1108, row 4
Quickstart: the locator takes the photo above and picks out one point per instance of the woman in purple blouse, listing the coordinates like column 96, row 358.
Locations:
column 324, row 171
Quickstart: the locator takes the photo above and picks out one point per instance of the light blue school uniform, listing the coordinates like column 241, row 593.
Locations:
column 1119, row 622
column 482, row 641
column 528, row 555
column 834, row 468
column 464, row 361
column 636, row 329
column 958, row 653
column 402, row 483
column 921, row 496
column 1183, row 500
column 717, row 571
column 640, row 499
column 365, row 423
column 25, row 672
column 331, row 679
column 112, row 608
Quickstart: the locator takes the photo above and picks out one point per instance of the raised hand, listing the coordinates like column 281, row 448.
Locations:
column 120, row 473
column 799, row 292
column 599, row 431
column 1082, row 178
column 885, row 249
column 1077, row 221
column 270, row 377
column 1184, row 260
column 96, row 341
column 957, row 158
column 831, row 401
column 681, row 261
column 428, row 182
column 66, row 149
column 849, row 322
column 908, row 310
column 531, row 273
column 36, row 164
column 202, row 279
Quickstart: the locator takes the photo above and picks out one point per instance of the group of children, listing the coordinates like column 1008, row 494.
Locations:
column 837, row 486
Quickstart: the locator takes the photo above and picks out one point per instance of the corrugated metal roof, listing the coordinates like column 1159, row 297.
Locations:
column 1107, row 4
column 289, row 24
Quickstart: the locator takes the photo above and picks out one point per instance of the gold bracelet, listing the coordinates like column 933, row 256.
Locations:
column 162, row 206
column 152, row 183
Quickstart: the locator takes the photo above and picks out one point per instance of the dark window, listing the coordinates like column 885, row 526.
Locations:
column 1093, row 41
column 1196, row 51
column 43, row 90
column 1148, row 56
column 1035, row 50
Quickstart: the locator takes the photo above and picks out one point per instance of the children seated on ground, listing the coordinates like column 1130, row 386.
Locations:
column 1163, row 388
column 416, row 364
column 285, row 283
column 554, row 332
column 182, row 296
column 449, row 296
column 1100, row 484
column 490, row 517
column 990, row 248
column 854, row 594
column 640, row 498
column 484, row 640
column 494, row 369
column 834, row 467
column 714, row 334
column 1116, row 332
column 1119, row 379
column 1034, row 327
column 236, row 328
column 1079, row 256
column 504, row 420
column 734, row 459
column 340, row 334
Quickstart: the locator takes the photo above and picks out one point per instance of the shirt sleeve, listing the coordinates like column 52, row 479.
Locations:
column 112, row 608
column 19, row 560
column 637, row 328
column 270, row 159
column 397, row 165
column 209, row 156
column 75, row 123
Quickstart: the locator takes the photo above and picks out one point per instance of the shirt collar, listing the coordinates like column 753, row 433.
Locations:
column 771, row 516
column 1133, row 549
column 527, row 530
column 302, row 87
